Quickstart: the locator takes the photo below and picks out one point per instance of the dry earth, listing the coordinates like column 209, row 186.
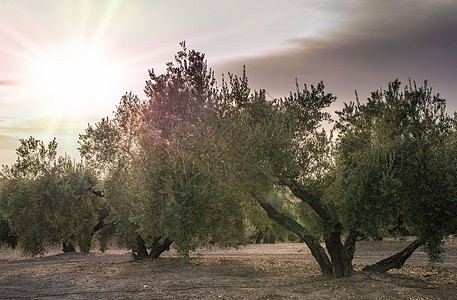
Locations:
column 279, row 271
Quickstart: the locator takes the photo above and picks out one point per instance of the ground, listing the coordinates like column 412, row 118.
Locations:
column 278, row 271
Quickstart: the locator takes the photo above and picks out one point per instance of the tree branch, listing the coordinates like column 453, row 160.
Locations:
column 95, row 192
column 91, row 189
column 298, row 192
column 313, row 244
column 395, row 261
column 349, row 244
column 307, row 197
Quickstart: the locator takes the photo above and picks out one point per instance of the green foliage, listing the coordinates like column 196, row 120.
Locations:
column 192, row 162
column 271, row 144
column 395, row 162
column 34, row 158
column 159, row 179
column 78, row 210
column 46, row 200
column 196, row 158
column 180, row 97
column 7, row 236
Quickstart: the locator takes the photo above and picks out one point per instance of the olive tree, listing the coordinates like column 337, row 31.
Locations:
column 392, row 167
column 156, row 158
column 47, row 199
column 396, row 168
column 278, row 144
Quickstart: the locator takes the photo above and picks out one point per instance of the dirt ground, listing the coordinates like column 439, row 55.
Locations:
column 276, row 271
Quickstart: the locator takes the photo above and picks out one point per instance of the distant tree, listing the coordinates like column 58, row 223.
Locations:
column 47, row 199
column 7, row 236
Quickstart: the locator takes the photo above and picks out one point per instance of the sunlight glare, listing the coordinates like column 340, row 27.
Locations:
column 73, row 82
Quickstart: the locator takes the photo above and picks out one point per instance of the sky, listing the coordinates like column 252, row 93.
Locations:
column 66, row 63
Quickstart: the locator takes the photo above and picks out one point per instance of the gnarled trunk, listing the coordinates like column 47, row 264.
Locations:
column 341, row 255
column 140, row 251
column 159, row 247
column 313, row 244
column 67, row 248
column 395, row 261
column 349, row 244
column 341, row 258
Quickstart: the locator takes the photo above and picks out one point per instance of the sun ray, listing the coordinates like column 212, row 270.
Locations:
column 106, row 19
column 23, row 40
column 68, row 70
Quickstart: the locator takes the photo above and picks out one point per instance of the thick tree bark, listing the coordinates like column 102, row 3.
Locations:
column 349, row 244
column 313, row 244
column 67, row 248
column 99, row 225
column 140, row 250
column 159, row 247
column 341, row 256
column 259, row 237
column 395, row 261
column 341, row 259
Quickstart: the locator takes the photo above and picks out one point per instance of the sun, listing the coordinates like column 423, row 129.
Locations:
column 72, row 80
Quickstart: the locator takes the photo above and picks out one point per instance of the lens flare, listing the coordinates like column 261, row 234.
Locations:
column 73, row 81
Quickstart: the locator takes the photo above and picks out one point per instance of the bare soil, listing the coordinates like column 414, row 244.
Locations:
column 278, row 271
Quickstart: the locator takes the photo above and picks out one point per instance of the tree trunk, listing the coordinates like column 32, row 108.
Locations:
column 67, row 248
column 159, row 247
column 140, row 250
column 315, row 203
column 84, row 243
column 395, row 261
column 341, row 259
column 99, row 225
column 258, row 237
column 313, row 244
column 349, row 244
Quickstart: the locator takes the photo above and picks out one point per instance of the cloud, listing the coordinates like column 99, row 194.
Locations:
column 379, row 42
column 8, row 142
column 9, row 83
column 49, row 126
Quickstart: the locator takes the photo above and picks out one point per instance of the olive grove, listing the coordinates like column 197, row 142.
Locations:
column 202, row 163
